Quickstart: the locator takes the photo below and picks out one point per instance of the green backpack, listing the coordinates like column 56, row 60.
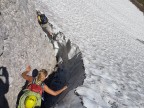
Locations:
column 30, row 93
column 32, row 90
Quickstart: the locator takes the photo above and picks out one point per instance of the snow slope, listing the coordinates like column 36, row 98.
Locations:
column 107, row 33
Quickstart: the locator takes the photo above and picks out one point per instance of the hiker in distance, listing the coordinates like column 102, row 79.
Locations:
column 42, row 75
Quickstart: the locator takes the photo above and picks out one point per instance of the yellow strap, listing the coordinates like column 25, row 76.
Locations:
column 39, row 18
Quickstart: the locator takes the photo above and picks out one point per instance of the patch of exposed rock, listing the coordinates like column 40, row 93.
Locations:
column 22, row 43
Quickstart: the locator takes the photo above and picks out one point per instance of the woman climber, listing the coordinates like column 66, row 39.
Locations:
column 33, row 94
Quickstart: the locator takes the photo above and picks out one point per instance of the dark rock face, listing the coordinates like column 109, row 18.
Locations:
column 70, row 71
column 22, row 43
column 139, row 4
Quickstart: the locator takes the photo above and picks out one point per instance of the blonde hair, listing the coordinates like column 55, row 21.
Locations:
column 42, row 71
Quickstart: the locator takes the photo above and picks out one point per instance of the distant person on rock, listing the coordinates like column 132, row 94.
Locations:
column 46, row 26
column 33, row 94
column 48, row 29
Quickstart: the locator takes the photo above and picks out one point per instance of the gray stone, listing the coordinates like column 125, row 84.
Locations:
column 22, row 43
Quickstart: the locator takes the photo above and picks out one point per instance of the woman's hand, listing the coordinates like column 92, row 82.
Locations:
column 25, row 76
column 65, row 87
column 28, row 68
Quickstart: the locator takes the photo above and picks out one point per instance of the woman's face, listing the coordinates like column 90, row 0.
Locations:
column 42, row 76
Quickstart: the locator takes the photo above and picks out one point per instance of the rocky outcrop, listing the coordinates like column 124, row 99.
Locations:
column 138, row 4
column 22, row 43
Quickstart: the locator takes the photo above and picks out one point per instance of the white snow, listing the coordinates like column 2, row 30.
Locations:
column 106, row 33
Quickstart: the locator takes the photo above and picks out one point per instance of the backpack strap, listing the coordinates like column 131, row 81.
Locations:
column 42, row 85
column 34, row 80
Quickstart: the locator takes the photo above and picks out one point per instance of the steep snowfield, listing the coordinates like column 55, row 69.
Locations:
column 107, row 32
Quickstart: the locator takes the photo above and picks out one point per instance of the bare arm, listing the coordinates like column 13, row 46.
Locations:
column 54, row 93
column 25, row 76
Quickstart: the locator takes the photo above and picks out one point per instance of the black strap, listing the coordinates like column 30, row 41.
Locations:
column 34, row 80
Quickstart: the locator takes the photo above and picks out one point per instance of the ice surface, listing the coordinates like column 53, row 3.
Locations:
column 106, row 32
